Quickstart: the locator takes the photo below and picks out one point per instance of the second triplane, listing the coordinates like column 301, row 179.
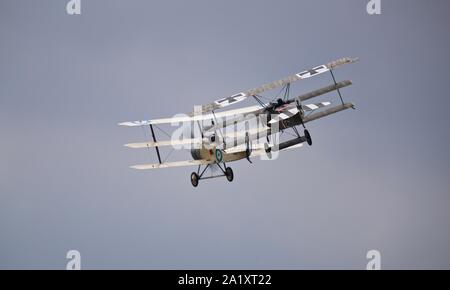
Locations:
column 215, row 147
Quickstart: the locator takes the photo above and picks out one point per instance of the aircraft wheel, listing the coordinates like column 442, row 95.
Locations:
column 308, row 137
column 194, row 179
column 229, row 174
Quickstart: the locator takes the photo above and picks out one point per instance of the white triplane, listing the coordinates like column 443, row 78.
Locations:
column 216, row 137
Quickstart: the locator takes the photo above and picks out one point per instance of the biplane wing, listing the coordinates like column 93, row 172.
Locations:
column 255, row 152
column 193, row 141
column 172, row 164
column 194, row 118
column 198, row 141
column 224, row 102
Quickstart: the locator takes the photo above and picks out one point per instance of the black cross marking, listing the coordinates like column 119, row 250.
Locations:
column 231, row 99
column 311, row 72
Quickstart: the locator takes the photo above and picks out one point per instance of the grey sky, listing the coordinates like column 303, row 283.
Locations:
column 375, row 178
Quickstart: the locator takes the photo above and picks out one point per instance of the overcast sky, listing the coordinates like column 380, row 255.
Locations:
column 375, row 178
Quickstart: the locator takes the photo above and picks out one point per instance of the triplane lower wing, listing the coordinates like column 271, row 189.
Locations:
column 216, row 145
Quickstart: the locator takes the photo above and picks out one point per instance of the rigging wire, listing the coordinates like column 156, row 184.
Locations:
column 277, row 95
column 167, row 134
column 168, row 155
column 256, row 97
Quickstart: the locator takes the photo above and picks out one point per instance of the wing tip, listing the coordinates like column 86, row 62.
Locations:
column 139, row 167
column 127, row 124
column 350, row 59
column 136, row 123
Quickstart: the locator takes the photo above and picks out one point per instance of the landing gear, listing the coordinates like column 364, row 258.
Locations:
column 197, row 176
column 308, row 137
column 229, row 174
column 194, row 179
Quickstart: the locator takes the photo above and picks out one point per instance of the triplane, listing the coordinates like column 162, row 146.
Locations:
column 216, row 146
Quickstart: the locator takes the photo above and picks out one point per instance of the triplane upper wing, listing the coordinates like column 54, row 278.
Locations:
column 224, row 102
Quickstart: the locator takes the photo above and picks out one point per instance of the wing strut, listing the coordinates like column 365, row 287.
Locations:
column 335, row 83
column 156, row 147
